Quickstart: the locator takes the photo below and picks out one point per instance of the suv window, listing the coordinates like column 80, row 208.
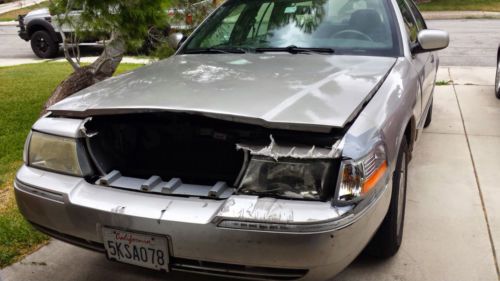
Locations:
column 410, row 23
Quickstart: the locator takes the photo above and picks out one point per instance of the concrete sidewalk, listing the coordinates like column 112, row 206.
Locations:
column 450, row 15
column 12, row 62
column 452, row 227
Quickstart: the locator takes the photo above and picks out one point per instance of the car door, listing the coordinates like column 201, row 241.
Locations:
column 418, row 61
column 428, row 59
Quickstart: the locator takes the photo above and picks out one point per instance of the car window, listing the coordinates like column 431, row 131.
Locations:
column 261, row 25
column 221, row 35
column 410, row 23
column 418, row 16
column 348, row 26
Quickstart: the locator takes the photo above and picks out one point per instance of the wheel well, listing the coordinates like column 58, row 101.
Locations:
column 36, row 28
column 410, row 135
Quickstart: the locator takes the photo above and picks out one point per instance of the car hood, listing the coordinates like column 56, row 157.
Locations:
column 310, row 92
column 38, row 13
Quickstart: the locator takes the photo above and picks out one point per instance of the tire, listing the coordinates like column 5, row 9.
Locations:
column 43, row 45
column 387, row 240
column 428, row 120
column 497, row 78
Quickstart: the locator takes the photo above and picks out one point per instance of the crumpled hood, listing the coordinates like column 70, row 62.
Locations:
column 302, row 92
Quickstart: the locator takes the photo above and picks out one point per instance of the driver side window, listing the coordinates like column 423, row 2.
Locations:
column 418, row 16
column 410, row 23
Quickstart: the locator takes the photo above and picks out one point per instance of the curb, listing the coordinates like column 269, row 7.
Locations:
column 13, row 62
column 8, row 23
column 453, row 15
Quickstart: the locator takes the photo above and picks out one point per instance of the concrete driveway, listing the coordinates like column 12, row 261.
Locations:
column 452, row 227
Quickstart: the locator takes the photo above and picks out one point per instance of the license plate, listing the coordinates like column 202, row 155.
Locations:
column 143, row 250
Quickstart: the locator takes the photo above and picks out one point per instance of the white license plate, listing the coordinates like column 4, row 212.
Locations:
column 144, row 250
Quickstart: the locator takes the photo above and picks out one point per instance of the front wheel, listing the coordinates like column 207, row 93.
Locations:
column 43, row 45
column 497, row 78
column 389, row 236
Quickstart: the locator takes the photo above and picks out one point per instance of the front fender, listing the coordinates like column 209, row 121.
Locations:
column 386, row 116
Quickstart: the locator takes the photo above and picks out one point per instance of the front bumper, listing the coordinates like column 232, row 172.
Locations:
column 73, row 210
column 23, row 33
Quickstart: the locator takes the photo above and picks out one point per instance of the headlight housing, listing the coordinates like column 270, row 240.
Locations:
column 288, row 178
column 358, row 178
column 58, row 154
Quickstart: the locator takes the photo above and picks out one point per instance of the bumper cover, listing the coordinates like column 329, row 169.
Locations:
column 73, row 210
column 23, row 33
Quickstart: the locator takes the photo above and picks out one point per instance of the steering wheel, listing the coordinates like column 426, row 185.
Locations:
column 354, row 32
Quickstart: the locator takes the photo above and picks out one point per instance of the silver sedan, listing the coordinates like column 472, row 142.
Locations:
column 273, row 145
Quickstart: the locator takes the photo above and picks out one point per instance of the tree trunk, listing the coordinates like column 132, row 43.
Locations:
column 83, row 77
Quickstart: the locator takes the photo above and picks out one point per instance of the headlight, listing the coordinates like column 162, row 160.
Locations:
column 293, row 178
column 357, row 178
column 59, row 154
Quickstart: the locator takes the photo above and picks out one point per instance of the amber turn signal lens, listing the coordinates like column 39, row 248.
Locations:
column 371, row 181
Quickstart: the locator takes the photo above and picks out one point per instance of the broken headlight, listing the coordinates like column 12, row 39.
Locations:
column 289, row 178
column 58, row 154
column 357, row 178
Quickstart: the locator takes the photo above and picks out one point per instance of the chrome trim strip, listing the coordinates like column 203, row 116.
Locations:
column 39, row 192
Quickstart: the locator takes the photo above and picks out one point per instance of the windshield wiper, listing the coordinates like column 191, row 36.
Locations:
column 216, row 50
column 296, row 50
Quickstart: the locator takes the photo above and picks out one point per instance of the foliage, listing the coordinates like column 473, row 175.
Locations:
column 23, row 90
column 130, row 19
column 163, row 51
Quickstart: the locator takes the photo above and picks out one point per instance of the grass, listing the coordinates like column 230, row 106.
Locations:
column 23, row 90
column 12, row 15
column 461, row 5
column 443, row 83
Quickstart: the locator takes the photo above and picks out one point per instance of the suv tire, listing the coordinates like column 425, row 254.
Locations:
column 43, row 45
column 388, row 238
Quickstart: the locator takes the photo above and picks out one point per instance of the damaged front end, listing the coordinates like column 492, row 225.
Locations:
column 188, row 155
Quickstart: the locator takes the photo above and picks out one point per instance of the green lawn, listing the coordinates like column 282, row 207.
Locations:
column 23, row 90
column 461, row 5
column 12, row 15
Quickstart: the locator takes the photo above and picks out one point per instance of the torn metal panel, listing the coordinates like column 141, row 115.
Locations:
column 277, row 151
column 253, row 208
column 83, row 129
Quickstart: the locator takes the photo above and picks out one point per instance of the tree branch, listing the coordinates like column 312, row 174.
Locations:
column 75, row 65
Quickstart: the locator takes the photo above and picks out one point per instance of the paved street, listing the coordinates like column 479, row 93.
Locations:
column 12, row 46
column 473, row 43
column 450, row 232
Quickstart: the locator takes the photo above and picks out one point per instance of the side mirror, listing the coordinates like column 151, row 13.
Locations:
column 431, row 40
column 175, row 40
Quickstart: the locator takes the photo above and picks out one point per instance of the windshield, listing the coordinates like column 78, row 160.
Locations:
column 345, row 26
